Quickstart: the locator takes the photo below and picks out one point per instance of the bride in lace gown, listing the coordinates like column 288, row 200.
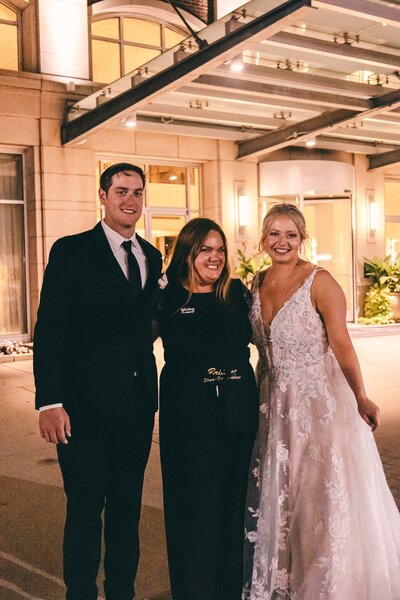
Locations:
column 321, row 523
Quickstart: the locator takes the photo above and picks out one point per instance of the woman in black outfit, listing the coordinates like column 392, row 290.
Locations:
column 208, row 415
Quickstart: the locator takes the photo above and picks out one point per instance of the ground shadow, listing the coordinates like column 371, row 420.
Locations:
column 32, row 520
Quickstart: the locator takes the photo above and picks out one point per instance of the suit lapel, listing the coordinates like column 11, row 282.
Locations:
column 112, row 271
column 109, row 265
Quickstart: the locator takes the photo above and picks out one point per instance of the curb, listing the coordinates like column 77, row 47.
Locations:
column 356, row 330
column 6, row 358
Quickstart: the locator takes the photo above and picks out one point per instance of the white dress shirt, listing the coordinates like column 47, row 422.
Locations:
column 115, row 240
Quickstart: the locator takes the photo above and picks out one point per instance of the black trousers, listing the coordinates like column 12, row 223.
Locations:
column 205, row 464
column 104, row 471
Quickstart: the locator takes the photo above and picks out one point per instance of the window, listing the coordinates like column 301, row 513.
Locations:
column 170, row 186
column 392, row 217
column 9, row 23
column 122, row 44
column 13, row 311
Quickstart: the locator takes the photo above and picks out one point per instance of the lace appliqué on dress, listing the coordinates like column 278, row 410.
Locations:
column 306, row 531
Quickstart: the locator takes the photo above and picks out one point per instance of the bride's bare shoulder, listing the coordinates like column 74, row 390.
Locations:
column 325, row 284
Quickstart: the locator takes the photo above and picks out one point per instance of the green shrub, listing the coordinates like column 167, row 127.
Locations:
column 376, row 307
column 384, row 272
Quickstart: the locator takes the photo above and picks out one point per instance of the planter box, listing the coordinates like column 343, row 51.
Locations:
column 5, row 358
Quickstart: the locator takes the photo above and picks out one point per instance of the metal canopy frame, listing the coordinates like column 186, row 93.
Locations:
column 298, row 131
column 384, row 159
column 184, row 70
column 298, row 81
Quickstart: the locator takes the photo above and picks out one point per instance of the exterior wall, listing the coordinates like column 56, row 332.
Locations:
column 364, row 245
column 221, row 179
column 60, row 183
column 202, row 9
column 61, row 195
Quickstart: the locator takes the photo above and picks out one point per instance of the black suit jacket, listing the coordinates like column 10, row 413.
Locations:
column 92, row 336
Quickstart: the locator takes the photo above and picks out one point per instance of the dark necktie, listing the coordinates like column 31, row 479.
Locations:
column 134, row 277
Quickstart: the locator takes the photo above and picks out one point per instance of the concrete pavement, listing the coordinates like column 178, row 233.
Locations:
column 31, row 497
column 380, row 364
column 32, row 504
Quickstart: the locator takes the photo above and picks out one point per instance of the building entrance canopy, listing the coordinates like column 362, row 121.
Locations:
column 323, row 71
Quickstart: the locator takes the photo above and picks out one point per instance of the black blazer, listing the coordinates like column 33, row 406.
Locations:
column 93, row 339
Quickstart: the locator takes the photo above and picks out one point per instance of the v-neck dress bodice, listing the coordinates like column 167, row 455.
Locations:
column 294, row 341
column 321, row 523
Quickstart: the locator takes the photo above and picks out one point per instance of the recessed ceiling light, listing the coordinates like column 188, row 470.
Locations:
column 236, row 65
column 130, row 121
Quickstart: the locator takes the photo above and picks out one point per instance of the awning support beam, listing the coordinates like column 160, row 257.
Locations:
column 316, row 125
column 384, row 159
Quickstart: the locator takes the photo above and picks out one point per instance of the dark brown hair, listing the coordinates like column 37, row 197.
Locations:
column 186, row 249
column 108, row 174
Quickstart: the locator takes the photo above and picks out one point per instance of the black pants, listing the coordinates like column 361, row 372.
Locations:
column 205, row 466
column 104, row 471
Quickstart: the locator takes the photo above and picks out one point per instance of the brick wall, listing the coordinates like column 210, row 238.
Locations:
column 202, row 9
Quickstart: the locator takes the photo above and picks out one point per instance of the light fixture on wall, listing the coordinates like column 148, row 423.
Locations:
column 130, row 121
column 373, row 215
column 310, row 143
column 241, row 213
column 243, row 210
column 393, row 250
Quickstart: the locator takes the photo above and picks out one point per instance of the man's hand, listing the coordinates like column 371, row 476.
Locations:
column 54, row 425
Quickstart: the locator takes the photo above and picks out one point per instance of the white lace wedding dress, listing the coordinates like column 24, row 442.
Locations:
column 321, row 521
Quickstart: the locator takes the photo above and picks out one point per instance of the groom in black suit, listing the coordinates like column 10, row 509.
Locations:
column 96, row 383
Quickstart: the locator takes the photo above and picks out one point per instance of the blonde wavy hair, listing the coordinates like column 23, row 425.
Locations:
column 289, row 210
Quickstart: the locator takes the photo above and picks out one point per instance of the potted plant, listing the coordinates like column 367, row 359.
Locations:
column 249, row 266
column 377, row 309
column 385, row 277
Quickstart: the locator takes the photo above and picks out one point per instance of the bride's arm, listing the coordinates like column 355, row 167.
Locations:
column 330, row 302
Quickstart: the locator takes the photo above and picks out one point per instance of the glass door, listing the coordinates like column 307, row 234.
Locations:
column 330, row 241
column 392, row 218
column 162, row 229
